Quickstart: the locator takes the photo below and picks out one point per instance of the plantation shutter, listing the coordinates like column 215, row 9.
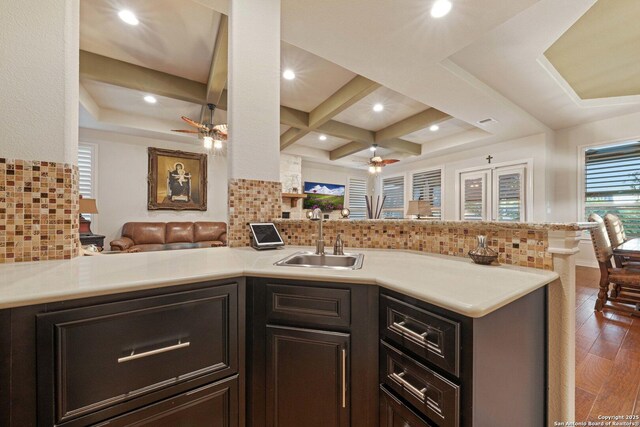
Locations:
column 473, row 197
column 86, row 170
column 393, row 190
column 428, row 186
column 509, row 200
column 357, row 193
column 612, row 183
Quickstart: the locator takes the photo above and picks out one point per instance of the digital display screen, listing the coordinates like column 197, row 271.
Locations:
column 265, row 234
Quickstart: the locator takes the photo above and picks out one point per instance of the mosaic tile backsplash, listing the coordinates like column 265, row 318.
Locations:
column 251, row 201
column 522, row 244
column 38, row 211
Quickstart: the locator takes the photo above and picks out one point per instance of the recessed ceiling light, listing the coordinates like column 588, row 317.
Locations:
column 378, row 107
column 434, row 128
column 373, row 147
column 128, row 17
column 322, row 137
column 289, row 74
column 440, row 8
column 150, row 99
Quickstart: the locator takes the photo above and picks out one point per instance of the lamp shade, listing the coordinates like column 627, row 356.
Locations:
column 419, row 208
column 88, row 206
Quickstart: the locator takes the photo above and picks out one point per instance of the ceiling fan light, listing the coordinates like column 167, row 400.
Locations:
column 378, row 169
column 208, row 142
column 372, row 169
column 217, row 144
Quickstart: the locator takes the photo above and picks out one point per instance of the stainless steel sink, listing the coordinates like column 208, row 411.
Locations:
column 332, row 262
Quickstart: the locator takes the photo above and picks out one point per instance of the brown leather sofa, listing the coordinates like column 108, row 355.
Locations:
column 159, row 236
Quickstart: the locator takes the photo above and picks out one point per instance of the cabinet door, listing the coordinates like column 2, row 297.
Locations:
column 307, row 378
column 393, row 413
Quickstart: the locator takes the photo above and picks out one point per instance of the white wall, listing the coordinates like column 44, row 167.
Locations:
column 566, row 162
column 529, row 148
column 122, row 183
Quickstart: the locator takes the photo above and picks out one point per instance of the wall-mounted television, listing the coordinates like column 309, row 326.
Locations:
column 328, row 197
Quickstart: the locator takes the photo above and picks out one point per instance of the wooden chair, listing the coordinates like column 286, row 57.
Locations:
column 626, row 281
column 617, row 236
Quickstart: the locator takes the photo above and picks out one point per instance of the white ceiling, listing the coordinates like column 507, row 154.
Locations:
column 312, row 140
column 485, row 59
column 316, row 78
column 396, row 108
column 174, row 36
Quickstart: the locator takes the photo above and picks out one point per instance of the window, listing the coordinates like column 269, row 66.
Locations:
column 474, row 196
column 427, row 186
column 86, row 168
column 393, row 190
column 612, row 183
column 357, row 194
column 508, row 194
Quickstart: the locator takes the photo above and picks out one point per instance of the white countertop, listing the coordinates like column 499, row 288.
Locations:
column 450, row 282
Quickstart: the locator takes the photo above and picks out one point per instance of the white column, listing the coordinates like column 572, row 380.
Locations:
column 562, row 326
column 39, row 80
column 254, row 90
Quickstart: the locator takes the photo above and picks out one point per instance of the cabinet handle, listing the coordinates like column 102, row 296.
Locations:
column 134, row 355
column 400, row 379
column 344, row 378
column 413, row 334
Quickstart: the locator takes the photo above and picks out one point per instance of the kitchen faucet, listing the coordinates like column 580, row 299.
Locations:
column 316, row 215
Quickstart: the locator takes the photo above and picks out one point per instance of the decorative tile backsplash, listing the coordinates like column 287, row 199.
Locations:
column 524, row 245
column 38, row 211
column 251, row 201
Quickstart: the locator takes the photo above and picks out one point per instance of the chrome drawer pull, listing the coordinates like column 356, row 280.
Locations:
column 134, row 356
column 399, row 378
column 413, row 334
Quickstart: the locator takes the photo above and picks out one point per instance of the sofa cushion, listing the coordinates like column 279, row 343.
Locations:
column 207, row 231
column 143, row 233
column 179, row 232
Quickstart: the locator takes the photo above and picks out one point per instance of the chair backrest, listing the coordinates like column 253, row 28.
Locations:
column 615, row 229
column 600, row 239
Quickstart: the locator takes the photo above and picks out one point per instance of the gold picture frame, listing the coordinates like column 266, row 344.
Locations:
column 177, row 180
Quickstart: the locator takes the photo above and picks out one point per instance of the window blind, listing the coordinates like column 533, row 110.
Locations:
column 393, row 189
column 357, row 202
column 473, row 199
column 86, row 171
column 509, row 196
column 428, row 186
column 612, row 183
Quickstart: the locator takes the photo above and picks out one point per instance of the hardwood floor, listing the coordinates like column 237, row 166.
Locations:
column 607, row 355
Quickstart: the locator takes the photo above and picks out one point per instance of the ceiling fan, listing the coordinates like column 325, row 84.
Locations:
column 212, row 135
column 376, row 163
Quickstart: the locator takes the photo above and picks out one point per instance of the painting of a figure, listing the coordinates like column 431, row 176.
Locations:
column 177, row 180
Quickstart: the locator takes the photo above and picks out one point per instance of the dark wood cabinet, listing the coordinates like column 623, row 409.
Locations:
column 214, row 405
column 393, row 413
column 313, row 348
column 307, row 378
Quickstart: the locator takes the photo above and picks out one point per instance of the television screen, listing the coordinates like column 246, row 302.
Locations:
column 328, row 197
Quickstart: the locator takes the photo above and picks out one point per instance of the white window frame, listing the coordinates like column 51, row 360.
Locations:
column 409, row 188
column 404, row 196
column 348, row 190
column 495, row 202
column 529, row 174
column 581, row 188
column 94, row 179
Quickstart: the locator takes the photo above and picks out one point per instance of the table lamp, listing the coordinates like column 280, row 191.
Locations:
column 87, row 206
column 419, row 208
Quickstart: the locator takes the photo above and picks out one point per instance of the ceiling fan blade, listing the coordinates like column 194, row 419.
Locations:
column 184, row 131
column 195, row 124
column 389, row 161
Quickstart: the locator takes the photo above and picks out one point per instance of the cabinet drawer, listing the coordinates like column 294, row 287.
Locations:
column 308, row 305
column 393, row 413
column 431, row 394
column 99, row 361
column 214, row 405
column 428, row 335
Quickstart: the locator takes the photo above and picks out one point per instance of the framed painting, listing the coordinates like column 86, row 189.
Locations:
column 327, row 197
column 177, row 180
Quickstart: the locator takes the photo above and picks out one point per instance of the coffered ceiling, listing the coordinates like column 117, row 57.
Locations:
column 486, row 59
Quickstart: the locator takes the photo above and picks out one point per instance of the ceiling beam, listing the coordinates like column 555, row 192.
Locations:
column 402, row 146
column 219, row 67
column 411, row 124
column 352, row 92
column 291, row 136
column 347, row 150
column 294, row 118
column 119, row 73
